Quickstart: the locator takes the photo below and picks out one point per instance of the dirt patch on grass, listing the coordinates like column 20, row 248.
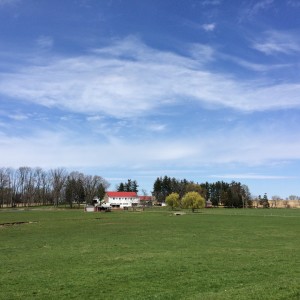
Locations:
column 16, row 223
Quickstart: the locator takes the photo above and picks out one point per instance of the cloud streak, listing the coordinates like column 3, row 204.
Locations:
column 250, row 176
column 251, row 10
column 45, row 42
column 129, row 79
column 275, row 42
column 8, row 2
column 69, row 149
column 209, row 27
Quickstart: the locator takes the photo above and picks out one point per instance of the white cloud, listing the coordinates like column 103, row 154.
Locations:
column 211, row 2
column 18, row 117
column 45, row 42
column 209, row 27
column 254, row 66
column 250, row 176
column 50, row 149
column 293, row 3
column 202, row 53
column 251, row 10
column 242, row 146
column 275, row 42
column 129, row 79
column 8, row 2
column 94, row 118
column 157, row 127
column 261, row 5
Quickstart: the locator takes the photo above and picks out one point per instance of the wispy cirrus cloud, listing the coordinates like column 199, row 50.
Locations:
column 261, row 5
column 202, row 53
column 48, row 148
column 250, row 176
column 129, row 79
column 40, row 149
column 45, row 42
column 250, row 9
column 18, row 116
column 211, row 2
column 94, row 118
column 276, row 42
column 8, row 2
column 293, row 3
column 209, row 27
column 252, row 65
column 157, row 127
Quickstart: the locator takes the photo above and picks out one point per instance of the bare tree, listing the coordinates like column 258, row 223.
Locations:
column 74, row 190
column 275, row 200
column 25, row 184
column 246, row 196
column 93, row 185
column 4, row 185
column 57, row 177
column 42, row 189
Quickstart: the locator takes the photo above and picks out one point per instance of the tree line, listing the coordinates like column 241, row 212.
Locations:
column 28, row 186
column 232, row 194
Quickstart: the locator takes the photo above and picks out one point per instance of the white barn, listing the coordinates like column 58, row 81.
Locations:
column 121, row 199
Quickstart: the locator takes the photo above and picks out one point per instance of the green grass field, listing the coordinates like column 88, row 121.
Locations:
column 212, row 254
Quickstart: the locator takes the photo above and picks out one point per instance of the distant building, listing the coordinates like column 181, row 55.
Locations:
column 208, row 204
column 121, row 199
column 278, row 203
column 146, row 200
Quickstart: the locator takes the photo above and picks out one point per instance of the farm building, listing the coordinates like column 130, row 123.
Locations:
column 145, row 200
column 279, row 203
column 121, row 199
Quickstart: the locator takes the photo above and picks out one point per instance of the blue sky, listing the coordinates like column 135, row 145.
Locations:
column 205, row 90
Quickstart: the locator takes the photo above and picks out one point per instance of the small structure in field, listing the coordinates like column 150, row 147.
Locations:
column 208, row 204
column 89, row 208
column 179, row 213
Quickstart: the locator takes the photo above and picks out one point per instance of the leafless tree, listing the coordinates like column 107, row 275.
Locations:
column 4, row 185
column 58, row 177
column 275, row 200
column 93, row 185
column 26, row 184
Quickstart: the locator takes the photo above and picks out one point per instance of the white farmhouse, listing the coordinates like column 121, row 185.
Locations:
column 121, row 199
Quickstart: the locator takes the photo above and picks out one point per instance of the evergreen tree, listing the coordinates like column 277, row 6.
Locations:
column 157, row 189
column 265, row 201
column 129, row 186
column 120, row 187
column 134, row 186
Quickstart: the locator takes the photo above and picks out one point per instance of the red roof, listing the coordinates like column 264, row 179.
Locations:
column 121, row 194
column 145, row 198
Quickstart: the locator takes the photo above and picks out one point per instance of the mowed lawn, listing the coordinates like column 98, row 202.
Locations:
column 211, row 254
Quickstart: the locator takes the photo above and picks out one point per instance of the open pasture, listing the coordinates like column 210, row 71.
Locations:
column 212, row 254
